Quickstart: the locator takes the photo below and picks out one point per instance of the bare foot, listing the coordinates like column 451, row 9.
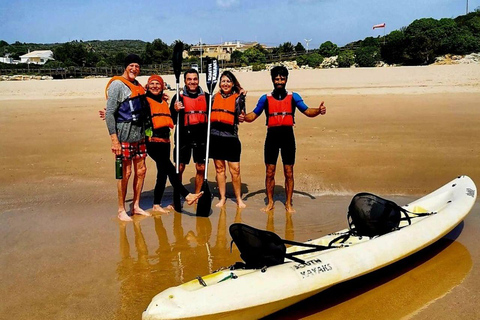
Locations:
column 140, row 211
column 289, row 208
column 192, row 198
column 241, row 204
column 158, row 208
column 123, row 216
column 221, row 203
column 268, row 208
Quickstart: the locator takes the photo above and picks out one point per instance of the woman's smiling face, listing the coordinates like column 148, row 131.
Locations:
column 226, row 84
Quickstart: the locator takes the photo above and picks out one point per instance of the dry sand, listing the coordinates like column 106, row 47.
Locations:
column 399, row 132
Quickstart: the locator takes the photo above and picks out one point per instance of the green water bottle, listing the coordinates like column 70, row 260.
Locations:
column 118, row 167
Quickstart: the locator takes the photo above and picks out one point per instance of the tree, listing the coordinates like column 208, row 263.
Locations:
column 157, row 52
column 71, row 54
column 367, row 56
column 236, row 55
column 328, row 49
column 299, row 47
column 346, row 58
column 420, row 50
column 394, row 49
column 253, row 55
column 312, row 60
column 286, row 47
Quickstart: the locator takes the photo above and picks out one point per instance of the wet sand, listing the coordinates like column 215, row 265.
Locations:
column 398, row 132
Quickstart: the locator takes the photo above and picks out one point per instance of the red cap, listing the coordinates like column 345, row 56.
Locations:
column 157, row 78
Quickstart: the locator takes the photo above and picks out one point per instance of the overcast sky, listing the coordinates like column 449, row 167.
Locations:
column 270, row 22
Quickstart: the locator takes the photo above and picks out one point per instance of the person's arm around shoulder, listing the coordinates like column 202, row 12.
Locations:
column 252, row 116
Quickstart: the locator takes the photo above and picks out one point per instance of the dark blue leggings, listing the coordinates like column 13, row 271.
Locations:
column 160, row 153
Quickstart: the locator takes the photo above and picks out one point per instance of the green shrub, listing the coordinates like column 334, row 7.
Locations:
column 367, row 56
column 258, row 67
column 312, row 60
column 328, row 49
column 346, row 59
column 101, row 64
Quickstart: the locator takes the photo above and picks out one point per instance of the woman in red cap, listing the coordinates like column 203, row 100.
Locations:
column 158, row 127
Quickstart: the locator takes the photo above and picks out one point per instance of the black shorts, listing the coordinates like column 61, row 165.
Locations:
column 199, row 152
column 225, row 148
column 280, row 139
column 192, row 140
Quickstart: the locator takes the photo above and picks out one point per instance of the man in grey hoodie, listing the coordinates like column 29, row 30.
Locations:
column 123, row 116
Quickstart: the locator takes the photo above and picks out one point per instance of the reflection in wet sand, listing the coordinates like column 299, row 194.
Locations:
column 395, row 292
column 183, row 257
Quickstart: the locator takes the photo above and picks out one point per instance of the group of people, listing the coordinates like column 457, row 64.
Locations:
column 139, row 121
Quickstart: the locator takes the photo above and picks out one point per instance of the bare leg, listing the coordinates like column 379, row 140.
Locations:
column 122, row 191
column 221, row 182
column 237, row 182
column 289, row 182
column 181, row 169
column 200, row 167
column 140, row 169
column 269, row 185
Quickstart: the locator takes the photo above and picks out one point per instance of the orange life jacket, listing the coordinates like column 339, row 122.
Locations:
column 160, row 113
column 130, row 109
column 280, row 112
column 195, row 109
column 223, row 109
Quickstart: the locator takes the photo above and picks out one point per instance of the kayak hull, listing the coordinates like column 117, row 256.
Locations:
column 252, row 294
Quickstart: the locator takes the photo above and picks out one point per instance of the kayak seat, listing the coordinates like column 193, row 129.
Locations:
column 260, row 248
column 370, row 215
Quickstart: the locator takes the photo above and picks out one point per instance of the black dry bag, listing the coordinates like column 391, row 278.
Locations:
column 369, row 215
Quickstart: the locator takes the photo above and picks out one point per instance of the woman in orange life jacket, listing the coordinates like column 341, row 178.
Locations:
column 158, row 127
column 225, row 146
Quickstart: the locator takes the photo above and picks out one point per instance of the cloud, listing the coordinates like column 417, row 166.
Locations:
column 227, row 3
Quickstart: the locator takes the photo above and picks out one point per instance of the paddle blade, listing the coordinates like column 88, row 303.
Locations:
column 204, row 205
column 177, row 59
column 212, row 74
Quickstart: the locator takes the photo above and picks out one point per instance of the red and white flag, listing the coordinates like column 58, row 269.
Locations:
column 382, row 25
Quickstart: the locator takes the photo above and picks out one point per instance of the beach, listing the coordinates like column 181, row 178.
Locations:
column 399, row 132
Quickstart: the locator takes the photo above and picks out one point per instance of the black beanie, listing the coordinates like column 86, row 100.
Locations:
column 132, row 58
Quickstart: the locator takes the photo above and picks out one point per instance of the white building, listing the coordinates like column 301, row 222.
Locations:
column 7, row 59
column 37, row 57
column 224, row 50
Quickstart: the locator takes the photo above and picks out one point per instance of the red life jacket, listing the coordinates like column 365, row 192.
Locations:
column 130, row 109
column 223, row 109
column 195, row 109
column 280, row 112
column 160, row 113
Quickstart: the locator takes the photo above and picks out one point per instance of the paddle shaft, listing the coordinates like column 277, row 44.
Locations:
column 177, row 134
column 208, row 134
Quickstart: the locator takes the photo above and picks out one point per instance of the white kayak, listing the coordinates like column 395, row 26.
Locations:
column 254, row 293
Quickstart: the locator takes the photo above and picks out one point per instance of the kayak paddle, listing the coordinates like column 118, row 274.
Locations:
column 205, row 202
column 177, row 68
